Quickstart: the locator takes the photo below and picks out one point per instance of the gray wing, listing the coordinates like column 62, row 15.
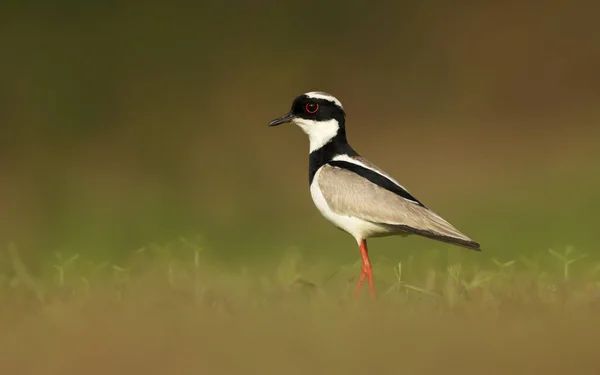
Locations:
column 347, row 193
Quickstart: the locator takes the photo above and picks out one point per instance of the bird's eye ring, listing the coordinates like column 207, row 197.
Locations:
column 311, row 108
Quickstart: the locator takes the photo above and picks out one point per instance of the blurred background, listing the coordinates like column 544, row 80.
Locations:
column 124, row 124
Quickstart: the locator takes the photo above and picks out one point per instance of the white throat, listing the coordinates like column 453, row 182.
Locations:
column 319, row 132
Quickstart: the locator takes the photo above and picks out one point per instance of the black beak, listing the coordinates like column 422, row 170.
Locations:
column 288, row 117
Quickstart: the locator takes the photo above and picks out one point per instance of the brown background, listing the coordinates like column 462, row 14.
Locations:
column 123, row 124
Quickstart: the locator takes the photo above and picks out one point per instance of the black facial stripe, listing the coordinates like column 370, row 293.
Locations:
column 327, row 109
column 375, row 178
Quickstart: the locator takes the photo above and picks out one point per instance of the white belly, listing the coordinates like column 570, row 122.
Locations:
column 358, row 228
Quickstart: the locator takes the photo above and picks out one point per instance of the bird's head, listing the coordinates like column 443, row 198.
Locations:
column 320, row 115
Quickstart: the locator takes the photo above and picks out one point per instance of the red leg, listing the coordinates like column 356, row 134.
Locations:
column 366, row 272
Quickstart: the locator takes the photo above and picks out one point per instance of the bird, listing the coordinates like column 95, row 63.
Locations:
column 352, row 193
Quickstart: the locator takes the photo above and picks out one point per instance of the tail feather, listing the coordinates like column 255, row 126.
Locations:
column 437, row 228
column 462, row 242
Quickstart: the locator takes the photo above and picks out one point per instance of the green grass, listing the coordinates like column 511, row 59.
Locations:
column 182, row 266
column 169, row 309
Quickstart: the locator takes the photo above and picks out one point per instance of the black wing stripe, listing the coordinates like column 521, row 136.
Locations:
column 375, row 178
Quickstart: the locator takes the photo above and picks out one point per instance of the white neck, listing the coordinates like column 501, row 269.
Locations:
column 319, row 132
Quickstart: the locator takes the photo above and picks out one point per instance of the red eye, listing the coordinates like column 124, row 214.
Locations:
column 311, row 108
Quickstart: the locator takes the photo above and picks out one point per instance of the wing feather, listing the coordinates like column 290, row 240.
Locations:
column 348, row 193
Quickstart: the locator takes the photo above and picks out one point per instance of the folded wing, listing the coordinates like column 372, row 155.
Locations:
column 351, row 191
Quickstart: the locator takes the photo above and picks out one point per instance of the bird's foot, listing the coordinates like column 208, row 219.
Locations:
column 366, row 273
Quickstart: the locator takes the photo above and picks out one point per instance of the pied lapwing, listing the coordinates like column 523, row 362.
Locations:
column 354, row 194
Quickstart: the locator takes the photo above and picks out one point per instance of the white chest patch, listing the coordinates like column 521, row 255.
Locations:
column 358, row 228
